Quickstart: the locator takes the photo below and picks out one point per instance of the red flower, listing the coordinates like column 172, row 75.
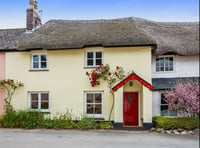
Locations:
column 123, row 75
column 4, row 81
column 115, row 73
column 101, row 65
column 93, row 76
column 102, row 72
column 15, row 86
column 95, row 73
column 105, row 67
column 105, row 77
column 14, row 110
column 11, row 109
column 92, row 85
column 11, row 80
column 109, row 73
column 117, row 67
column 98, row 83
column 87, row 73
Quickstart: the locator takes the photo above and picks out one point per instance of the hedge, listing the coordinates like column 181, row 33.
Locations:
column 169, row 123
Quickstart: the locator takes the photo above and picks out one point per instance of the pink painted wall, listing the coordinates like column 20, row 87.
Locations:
column 2, row 77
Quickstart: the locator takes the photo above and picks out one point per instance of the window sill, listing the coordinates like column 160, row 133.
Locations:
column 39, row 111
column 90, row 67
column 38, row 70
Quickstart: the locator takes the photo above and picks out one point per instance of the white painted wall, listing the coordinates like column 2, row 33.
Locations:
column 184, row 66
column 156, row 101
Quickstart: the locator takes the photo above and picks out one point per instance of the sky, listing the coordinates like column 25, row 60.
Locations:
column 13, row 12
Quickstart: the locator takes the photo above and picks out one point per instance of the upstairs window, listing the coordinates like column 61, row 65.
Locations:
column 94, row 58
column 39, row 101
column 164, row 63
column 39, row 61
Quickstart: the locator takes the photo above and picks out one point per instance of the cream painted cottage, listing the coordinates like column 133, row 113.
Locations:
column 52, row 62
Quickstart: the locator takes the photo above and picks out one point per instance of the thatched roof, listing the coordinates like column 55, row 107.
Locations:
column 10, row 37
column 179, row 38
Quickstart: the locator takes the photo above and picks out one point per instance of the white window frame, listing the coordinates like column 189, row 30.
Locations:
column 102, row 104
column 39, row 68
column 39, row 101
column 165, row 56
column 94, row 58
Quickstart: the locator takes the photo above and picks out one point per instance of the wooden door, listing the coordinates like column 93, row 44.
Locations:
column 130, row 108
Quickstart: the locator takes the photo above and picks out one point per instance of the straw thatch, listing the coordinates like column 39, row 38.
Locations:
column 178, row 38
column 10, row 37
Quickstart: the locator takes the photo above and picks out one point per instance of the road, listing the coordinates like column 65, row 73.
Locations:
column 40, row 138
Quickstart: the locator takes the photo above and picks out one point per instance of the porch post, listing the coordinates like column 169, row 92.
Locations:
column 118, row 112
column 147, row 107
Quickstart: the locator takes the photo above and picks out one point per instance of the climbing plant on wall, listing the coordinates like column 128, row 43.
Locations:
column 10, row 86
column 103, row 72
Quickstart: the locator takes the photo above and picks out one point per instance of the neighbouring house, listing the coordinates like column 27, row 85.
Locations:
column 9, row 39
column 53, row 59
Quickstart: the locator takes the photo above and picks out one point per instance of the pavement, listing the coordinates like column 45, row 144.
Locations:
column 42, row 138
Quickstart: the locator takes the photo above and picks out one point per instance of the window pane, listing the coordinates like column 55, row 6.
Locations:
column 98, row 54
column 34, row 97
column 44, row 105
column 35, row 58
column 43, row 64
column 163, row 101
column 172, row 113
column 90, row 55
column 34, row 105
column 164, row 107
column 98, row 61
column 157, row 62
column 90, row 98
column 98, row 109
column 44, row 97
column 166, row 68
column 90, row 109
column 90, row 62
column 98, row 98
column 35, row 64
column 43, row 58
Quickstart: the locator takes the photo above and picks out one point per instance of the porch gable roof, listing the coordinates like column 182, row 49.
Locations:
column 133, row 76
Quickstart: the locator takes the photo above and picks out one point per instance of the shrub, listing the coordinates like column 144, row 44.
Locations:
column 86, row 123
column 58, row 122
column 175, row 123
column 104, row 125
column 22, row 119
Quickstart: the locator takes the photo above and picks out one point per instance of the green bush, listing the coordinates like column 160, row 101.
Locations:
column 22, row 119
column 86, row 123
column 104, row 125
column 176, row 122
column 60, row 122
column 31, row 120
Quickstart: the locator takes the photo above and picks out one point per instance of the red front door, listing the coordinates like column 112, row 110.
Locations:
column 130, row 109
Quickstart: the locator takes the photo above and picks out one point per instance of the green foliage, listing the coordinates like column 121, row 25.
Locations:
column 22, row 119
column 86, row 123
column 58, row 122
column 104, row 125
column 31, row 120
column 175, row 123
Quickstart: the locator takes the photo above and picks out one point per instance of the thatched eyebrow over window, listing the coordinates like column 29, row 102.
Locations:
column 178, row 38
